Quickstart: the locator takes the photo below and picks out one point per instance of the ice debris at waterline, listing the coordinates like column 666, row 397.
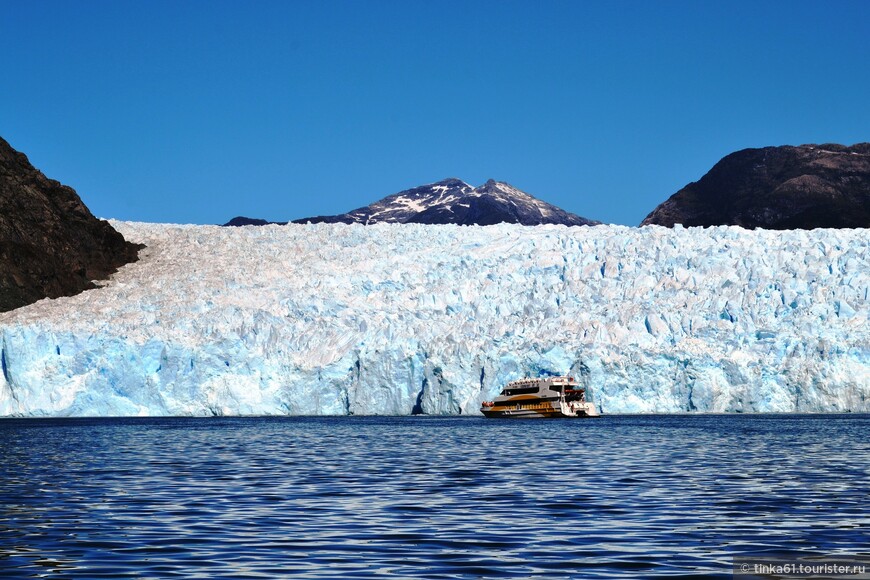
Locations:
column 400, row 319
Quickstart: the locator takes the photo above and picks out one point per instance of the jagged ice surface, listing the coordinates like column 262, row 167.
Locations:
column 397, row 319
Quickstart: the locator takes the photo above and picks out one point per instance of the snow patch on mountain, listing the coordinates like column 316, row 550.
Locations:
column 395, row 319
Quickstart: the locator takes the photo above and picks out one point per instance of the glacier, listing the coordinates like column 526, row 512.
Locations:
column 401, row 319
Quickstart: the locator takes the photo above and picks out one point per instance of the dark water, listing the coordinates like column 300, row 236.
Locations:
column 427, row 497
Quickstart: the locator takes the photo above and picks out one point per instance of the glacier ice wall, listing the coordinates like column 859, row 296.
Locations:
column 399, row 319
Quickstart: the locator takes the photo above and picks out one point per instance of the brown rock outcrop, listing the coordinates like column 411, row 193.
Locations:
column 50, row 243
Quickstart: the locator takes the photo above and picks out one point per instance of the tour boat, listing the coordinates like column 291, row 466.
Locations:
column 543, row 397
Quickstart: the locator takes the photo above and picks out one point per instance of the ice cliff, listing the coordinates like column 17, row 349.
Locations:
column 400, row 319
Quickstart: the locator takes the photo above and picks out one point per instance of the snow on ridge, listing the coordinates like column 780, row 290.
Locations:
column 389, row 319
column 512, row 195
column 410, row 204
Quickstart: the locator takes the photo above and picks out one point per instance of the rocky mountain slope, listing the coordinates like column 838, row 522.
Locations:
column 804, row 187
column 50, row 244
column 450, row 201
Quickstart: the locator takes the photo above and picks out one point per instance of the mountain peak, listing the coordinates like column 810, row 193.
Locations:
column 494, row 187
column 452, row 182
column 453, row 201
column 802, row 187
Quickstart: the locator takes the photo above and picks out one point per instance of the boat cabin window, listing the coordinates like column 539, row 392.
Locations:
column 557, row 388
column 520, row 391
column 575, row 395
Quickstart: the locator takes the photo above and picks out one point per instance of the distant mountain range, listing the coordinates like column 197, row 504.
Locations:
column 787, row 187
column 51, row 245
column 778, row 188
column 246, row 221
column 451, row 201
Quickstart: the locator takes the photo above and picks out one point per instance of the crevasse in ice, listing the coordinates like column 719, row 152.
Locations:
column 401, row 319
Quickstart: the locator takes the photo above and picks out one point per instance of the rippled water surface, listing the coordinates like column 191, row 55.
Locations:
column 427, row 497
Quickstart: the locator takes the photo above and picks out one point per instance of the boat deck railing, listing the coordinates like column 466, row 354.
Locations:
column 528, row 382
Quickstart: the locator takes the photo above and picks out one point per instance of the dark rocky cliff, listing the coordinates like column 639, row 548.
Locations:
column 50, row 244
column 804, row 187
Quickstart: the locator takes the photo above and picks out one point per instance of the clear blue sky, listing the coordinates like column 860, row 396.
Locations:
column 198, row 111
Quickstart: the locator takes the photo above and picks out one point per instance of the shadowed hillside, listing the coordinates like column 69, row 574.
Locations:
column 50, row 244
